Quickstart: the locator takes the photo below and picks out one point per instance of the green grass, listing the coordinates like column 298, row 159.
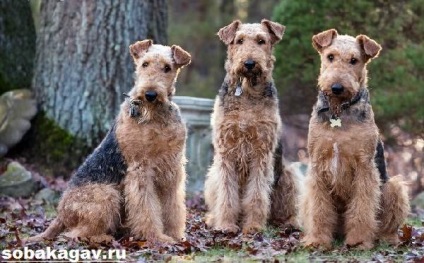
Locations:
column 337, row 254
column 415, row 221
column 221, row 255
column 300, row 255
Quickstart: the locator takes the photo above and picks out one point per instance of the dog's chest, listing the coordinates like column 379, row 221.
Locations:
column 152, row 143
column 339, row 152
column 247, row 131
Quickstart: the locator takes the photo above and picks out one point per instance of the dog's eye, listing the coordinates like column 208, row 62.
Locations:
column 353, row 61
column 261, row 41
column 145, row 64
column 240, row 41
column 167, row 68
column 330, row 57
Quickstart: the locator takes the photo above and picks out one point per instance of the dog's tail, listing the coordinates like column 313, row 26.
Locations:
column 284, row 193
column 56, row 227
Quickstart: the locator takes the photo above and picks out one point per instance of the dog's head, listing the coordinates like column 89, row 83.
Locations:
column 157, row 68
column 343, row 63
column 250, row 47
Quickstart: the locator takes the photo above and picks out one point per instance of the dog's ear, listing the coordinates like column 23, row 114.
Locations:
column 323, row 39
column 228, row 33
column 181, row 57
column 275, row 29
column 370, row 48
column 138, row 48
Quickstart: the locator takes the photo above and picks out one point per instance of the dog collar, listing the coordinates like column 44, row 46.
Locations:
column 326, row 107
column 355, row 99
column 335, row 120
column 269, row 90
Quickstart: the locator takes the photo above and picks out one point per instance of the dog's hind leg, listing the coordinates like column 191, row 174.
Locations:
column 86, row 211
column 54, row 229
column 91, row 211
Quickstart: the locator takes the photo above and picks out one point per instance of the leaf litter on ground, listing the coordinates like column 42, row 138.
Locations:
column 21, row 218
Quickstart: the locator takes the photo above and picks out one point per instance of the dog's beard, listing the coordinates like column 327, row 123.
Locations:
column 253, row 76
column 150, row 111
column 144, row 111
column 253, row 79
column 146, row 114
column 336, row 101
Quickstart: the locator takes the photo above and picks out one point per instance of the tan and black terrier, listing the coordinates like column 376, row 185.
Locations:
column 140, row 165
column 347, row 192
column 247, row 182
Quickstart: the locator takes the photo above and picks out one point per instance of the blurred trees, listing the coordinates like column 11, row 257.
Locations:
column 194, row 24
column 395, row 78
column 17, row 45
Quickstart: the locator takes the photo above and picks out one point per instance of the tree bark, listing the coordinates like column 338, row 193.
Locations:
column 83, row 63
column 17, row 45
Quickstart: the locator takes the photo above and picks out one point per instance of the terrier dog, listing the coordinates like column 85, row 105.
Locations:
column 248, row 176
column 345, row 194
column 140, row 164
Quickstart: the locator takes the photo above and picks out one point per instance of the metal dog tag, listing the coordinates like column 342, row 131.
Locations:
column 239, row 91
column 335, row 122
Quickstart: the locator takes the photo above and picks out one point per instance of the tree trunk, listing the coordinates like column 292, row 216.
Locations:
column 83, row 63
column 17, row 45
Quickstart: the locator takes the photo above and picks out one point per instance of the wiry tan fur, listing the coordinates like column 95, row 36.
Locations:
column 343, row 192
column 246, row 131
column 153, row 147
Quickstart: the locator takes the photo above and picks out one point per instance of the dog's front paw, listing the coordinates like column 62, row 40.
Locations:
column 392, row 239
column 178, row 237
column 314, row 242
column 359, row 244
column 101, row 239
column 209, row 220
column 362, row 241
column 228, row 228
column 37, row 238
column 163, row 239
column 251, row 228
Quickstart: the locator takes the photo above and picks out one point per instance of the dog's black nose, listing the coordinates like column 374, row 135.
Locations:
column 337, row 88
column 249, row 64
column 150, row 95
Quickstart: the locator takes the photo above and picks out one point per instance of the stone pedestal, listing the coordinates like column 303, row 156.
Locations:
column 196, row 113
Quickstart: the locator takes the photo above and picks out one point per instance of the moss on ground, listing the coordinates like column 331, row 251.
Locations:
column 53, row 150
